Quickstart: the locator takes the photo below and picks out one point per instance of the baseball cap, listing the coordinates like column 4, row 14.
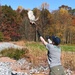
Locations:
column 56, row 40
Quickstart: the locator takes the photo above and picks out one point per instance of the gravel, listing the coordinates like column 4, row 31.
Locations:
column 25, row 67
column 6, row 69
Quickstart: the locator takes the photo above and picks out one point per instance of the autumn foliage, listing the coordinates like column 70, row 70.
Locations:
column 15, row 25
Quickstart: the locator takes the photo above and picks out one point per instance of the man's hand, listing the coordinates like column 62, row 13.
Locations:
column 47, row 37
column 41, row 38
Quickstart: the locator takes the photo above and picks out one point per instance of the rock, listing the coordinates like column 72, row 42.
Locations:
column 20, row 67
column 6, row 45
column 5, row 69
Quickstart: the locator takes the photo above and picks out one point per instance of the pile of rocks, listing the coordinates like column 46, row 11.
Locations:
column 21, row 67
column 5, row 69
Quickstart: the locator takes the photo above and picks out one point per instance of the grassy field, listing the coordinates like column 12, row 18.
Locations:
column 38, row 50
column 68, row 48
column 40, row 46
column 36, row 53
column 35, row 46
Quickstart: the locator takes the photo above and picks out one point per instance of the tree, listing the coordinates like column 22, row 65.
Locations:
column 44, row 6
column 36, row 12
column 73, row 30
column 72, row 12
column 19, row 9
column 1, row 36
column 45, row 19
column 27, row 30
column 65, row 7
column 66, row 21
column 10, row 23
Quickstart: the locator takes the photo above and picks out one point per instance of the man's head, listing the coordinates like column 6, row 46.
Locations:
column 56, row 40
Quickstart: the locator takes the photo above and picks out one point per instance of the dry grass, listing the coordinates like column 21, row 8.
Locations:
column 38, row 54
column 20, row 43
column 68, row 60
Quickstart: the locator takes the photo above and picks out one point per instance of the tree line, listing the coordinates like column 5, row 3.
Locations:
column 15, row 25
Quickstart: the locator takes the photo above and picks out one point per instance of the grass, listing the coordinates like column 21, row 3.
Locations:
column 38, row 50
column 36, row 53
column 35, row 49
column 70, row 48
column 35, row 46
column 40, row 46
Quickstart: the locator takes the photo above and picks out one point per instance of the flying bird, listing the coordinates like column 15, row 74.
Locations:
column 32, row 17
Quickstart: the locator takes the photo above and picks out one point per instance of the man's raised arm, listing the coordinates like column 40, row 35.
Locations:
column 41, row 38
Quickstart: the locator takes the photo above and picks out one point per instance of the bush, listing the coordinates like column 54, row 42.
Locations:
column 14, row 53
column 1, row 36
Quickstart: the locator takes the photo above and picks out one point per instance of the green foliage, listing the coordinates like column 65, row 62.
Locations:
column 13, row 53
column 68, row 48
column 36, row 46
column 41, row 47
column 72, row 11
column 1, row 36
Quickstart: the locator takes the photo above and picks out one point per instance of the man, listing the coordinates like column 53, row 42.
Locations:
column 54, row 54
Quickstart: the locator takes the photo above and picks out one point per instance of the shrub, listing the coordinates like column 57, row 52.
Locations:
column 14, row 53
column 1, row 36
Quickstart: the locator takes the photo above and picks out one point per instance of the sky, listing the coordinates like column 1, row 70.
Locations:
column 30, row 4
